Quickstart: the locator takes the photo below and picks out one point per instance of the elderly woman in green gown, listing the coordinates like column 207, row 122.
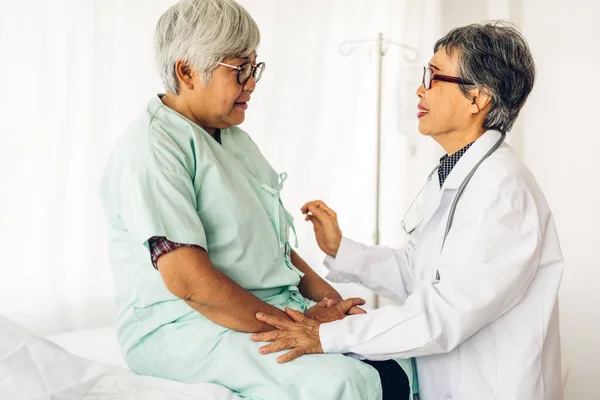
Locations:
column 199, row 240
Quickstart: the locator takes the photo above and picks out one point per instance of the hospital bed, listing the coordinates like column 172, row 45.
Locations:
column 84, row 365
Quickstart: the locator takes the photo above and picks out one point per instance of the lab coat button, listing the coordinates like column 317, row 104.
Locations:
column 421, row 275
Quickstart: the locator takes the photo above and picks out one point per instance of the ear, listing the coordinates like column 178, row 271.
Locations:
column 480, row 100
column 185, row 75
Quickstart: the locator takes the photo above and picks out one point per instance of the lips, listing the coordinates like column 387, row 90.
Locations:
column 241, row 104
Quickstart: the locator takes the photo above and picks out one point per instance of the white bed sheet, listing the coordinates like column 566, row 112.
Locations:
column 99, row 344
column 34, row 368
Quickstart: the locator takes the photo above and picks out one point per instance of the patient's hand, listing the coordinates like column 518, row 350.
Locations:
column 300, row 335
column 329, row 310
column 356, row 310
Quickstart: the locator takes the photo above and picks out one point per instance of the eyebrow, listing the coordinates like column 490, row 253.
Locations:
column 434, row 67
column 247, row 58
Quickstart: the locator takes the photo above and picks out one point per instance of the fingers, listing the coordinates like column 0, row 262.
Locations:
column 319, row 213
column 347, row 304
column 291, row 355
column 356, row 311
column 272, row 320
column 324, row 207
column 311, row 218
column 316, row 207
column 324, row 302
column 327, row 303
column 279, row 345
column 296, row 316
column 266, row 336
column 304, row 208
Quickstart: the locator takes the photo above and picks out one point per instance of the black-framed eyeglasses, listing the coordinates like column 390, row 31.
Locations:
column 247, row 70
column 429, row 76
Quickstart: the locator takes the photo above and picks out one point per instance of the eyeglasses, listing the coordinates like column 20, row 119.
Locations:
column 429, row 76
column 246, row 70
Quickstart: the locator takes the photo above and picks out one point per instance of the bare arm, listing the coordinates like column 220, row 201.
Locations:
column 189, row 274
column 312, row 285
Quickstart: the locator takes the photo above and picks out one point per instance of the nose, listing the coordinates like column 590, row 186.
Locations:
column 250, row 85
column 421, row 91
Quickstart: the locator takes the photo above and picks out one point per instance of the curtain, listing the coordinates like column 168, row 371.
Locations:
column 75, row 72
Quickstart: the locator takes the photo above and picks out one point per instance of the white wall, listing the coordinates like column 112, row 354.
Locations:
column 90, row 70
column 561, row 145
column 558, row 138
column 314, row 113
column 73, row 74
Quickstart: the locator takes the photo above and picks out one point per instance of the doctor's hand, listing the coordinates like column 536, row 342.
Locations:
column 301, row 335
column 328, row 310
column 325, row 224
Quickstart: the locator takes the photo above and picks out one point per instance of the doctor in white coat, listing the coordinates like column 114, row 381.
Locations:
column 479, row 280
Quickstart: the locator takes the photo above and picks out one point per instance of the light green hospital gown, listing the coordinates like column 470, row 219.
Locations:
column 168, row 177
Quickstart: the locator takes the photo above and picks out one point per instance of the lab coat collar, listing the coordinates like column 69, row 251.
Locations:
column 434, row 194
column 470, row 158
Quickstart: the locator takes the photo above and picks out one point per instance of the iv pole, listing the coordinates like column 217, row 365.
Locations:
column 411, row 55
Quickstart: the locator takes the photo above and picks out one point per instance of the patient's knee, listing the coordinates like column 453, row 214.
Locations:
column 353, row 371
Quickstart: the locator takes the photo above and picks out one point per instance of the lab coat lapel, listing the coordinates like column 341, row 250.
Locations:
column 431, row 200
column 433, row 195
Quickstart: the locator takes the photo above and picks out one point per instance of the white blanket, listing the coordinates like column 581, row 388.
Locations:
column 33, row 368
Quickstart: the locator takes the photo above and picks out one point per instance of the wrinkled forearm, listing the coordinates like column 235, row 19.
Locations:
column 311, row 285
column 236, row 312
column 189, row 275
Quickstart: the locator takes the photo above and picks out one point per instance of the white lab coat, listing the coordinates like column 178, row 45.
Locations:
column 488, row 328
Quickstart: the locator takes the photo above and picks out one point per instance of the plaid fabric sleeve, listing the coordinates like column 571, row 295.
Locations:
column 160, row 245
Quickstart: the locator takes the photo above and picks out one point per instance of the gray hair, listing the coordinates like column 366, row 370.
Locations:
column 202, row 33
column 496, row 58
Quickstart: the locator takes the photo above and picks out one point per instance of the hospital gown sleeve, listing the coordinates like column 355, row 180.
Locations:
column 157, row 195
column 488, row 273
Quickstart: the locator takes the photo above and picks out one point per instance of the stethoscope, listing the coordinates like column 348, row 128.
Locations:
column 409, row 231
column 459, row 193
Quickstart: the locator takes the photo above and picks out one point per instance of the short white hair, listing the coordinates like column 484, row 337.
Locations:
column 202, row 33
